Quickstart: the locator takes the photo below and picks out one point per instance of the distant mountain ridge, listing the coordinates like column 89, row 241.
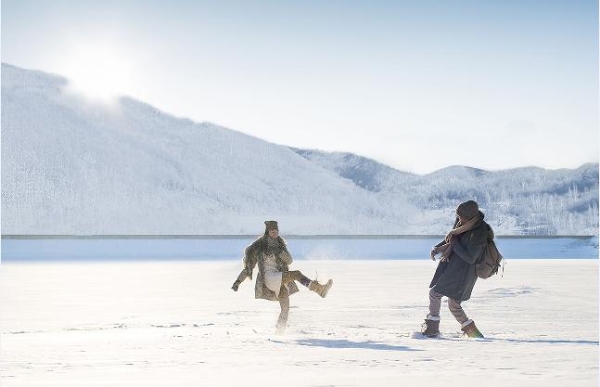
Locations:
column 69, row 167
column 364, row 172
column 534, row 200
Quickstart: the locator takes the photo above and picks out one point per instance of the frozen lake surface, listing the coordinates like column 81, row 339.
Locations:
column 165, row 323
column 310, row 248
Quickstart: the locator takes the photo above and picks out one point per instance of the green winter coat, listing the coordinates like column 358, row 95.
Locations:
column 456, row 277
column 255, row 254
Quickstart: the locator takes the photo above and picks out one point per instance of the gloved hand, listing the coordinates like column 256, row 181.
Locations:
column 432, row 254
column 236, row 285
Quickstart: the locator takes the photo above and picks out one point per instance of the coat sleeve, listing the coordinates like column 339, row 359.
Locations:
column 443, row 241
column 474, row 248
column 250, row 259
column 439, row 244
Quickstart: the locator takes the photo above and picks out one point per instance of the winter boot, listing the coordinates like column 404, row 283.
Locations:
column 321, row 290
column 471, row 330
column 431, row 328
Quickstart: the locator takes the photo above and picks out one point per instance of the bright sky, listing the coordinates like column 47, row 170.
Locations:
column 418, row 85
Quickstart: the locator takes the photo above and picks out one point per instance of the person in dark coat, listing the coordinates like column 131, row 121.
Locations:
column 455, row 275
column 275, row 281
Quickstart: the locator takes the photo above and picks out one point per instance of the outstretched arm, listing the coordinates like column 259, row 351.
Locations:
column 249, row 263
column 241, row 277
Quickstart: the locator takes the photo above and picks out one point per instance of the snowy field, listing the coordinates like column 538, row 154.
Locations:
column 179, row 324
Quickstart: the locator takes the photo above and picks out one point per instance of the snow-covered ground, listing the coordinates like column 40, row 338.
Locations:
column 179, row 324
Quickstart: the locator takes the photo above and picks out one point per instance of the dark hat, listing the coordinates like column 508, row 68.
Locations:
column 468, row 209
column 271, row 225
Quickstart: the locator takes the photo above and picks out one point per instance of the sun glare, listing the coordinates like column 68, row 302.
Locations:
column 98, row 73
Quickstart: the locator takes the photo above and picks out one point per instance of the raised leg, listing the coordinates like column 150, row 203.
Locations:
column 295, row 275
column 316, row 287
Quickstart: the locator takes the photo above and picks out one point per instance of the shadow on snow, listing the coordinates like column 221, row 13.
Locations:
column 545, row 341
column 353, row 344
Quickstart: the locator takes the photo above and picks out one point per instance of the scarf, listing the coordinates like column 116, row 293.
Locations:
column 273, row 246
column 446, row 248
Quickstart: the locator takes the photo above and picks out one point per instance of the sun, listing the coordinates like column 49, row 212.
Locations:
column 99, row 73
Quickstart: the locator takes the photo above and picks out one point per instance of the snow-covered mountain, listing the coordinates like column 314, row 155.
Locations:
column 73, row 168
column 70, row 167
column 527, row 200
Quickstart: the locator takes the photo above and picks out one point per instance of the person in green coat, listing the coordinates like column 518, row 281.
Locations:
column 455, row 275
column 275, row 281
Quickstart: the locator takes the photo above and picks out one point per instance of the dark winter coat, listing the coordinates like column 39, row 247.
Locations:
column 255, row 254
column 456, row 277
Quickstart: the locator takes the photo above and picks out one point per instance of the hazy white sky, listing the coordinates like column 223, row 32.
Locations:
column 418, row 85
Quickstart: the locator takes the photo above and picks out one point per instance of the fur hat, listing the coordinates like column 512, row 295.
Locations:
column 468, row 209
column 271, row 225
